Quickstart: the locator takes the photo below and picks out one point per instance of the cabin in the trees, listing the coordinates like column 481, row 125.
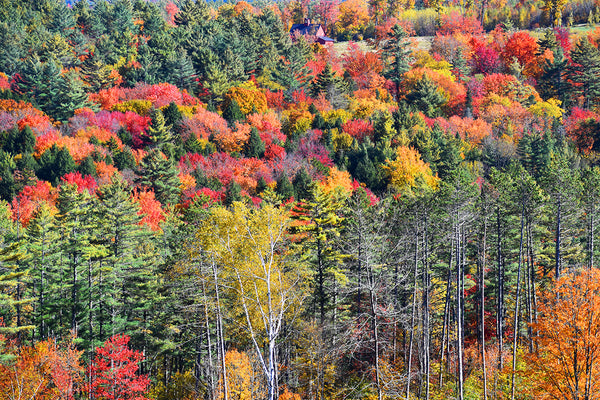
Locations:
column 313, row 32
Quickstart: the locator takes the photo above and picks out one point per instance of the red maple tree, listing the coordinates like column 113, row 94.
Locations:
column 113, row 374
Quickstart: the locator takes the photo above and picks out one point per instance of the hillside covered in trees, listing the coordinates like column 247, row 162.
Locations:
column 197, row 204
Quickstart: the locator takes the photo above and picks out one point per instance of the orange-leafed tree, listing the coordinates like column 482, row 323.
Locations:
column 45, row 371
column 566, row 364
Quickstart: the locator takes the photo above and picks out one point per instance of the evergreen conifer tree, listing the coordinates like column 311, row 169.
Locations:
column 284, row 187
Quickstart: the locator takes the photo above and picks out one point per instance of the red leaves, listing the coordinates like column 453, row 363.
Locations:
column 522, row 47
column 83, row 182
column 113, row 372
column 358, row 129
column 456, row 22
column 160, row 95
column 362, row 66
column 24, row 205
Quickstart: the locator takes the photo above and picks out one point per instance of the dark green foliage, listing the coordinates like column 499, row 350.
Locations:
column 284, row 187
column 232, row 193
column 426, row 97
column 302, row 184
column 552, row 83
column 87, row 166
column 125, row 136
column 20, row 142
column 584, row 72
column 173, row 117
column 55, row 163
column 325, row 82
column 396, row 55
column 255, row 147
column 124, row 159
column 7, row 182
column 232, row 112
column 261, row 185
column 159, row 174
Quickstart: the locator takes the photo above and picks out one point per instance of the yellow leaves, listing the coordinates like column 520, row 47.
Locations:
column 548, row 109
column 337, row 180
column 249, row 98
column 248, row 246
column 408, row 171
column 186, row 181
column 140, row 107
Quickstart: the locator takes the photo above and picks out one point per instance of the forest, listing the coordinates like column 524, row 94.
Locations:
column 299, row 199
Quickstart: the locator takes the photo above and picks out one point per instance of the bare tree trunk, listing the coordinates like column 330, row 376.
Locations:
column 412, row 317
column 426, row 327
column 446, row 325
column 482, row 266
column 517, row 301
column 500, row 295
column 459, row 313
column 220, row 339
column 558, row 265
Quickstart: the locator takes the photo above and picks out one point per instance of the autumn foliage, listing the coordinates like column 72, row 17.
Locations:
column 567, row 362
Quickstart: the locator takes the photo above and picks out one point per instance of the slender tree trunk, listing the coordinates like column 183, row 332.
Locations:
column 482, row 266
column 375, row 331
column 220, row 338
column 529, row 283
column 412, row 317
column 500, row 295
column 211, row 369
column 517, row 302
column 591, row 236
column 446, row 325
column 426, row 327
column 459, row 314
column 558, row 265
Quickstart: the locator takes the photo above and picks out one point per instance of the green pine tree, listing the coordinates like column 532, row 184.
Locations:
column 158, row 173
column 255, row 147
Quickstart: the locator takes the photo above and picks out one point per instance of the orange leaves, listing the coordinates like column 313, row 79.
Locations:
column 337, row 180
column 233, row 140
column 353, row 15
column 150, row 209
column 248, row 97
column 45, row 372
column 469, row 129
column 159, row 95
column 567, row 333
column 521, row 46
column 79, row 147
column 363, row 67
column 408, row 171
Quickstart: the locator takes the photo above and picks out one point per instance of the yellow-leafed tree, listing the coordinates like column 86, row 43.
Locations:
column 257, row 274
column 408, row 172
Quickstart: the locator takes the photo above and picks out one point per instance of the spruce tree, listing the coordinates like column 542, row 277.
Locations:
column 284, row 187
column 426, row 97
column 396, row 54
column 159, row 174
column 302, row 184
column 584, row 72
column 233, row 193
column 43, row 239
column 254, row 147
column 7, row 182
column 14, row 278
